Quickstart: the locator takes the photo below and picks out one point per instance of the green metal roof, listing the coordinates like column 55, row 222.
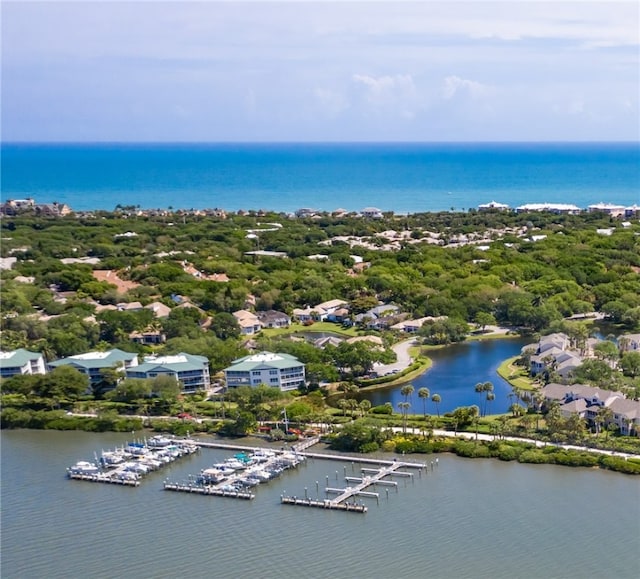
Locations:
column 264, row 361
column 96, row 359
column 17, row 358
column 178, row 363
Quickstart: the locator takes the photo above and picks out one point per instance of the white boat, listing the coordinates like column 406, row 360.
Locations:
column 261, row 474
column 223, row 468
column 137, row 449
column 83, row 467
column 159, row 441
column 112, row 457
column 235, row 464
column 211, row 475
column 137, row 467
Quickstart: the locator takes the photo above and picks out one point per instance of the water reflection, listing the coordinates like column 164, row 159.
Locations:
column 455, row 372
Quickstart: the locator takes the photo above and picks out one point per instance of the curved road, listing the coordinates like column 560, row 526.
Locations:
column 403, row 359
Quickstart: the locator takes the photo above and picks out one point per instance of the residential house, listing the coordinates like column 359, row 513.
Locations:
column 412, row 326
column 380, row 317
column 93, row 363
column 20, row 362
column 552, row 352
column 277, row 370
column 159, row 309
column 273, row 319
column 372, row 213
column 626, row 415
column 148, row 337
column 325, row 341
column 249, row 323
column 493, row 206
column 587, row 402
column 375, row 341
column 192, row 372
column 330, row 311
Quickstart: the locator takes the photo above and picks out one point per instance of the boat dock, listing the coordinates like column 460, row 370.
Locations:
column 105, row 478
column 233, row 477
column 346, row 497
column 127, row 465
column 208, row 490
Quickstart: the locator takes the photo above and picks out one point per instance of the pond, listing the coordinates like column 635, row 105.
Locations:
column 455, row 372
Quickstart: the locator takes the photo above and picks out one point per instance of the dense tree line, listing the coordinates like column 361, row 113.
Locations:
column 535, row 270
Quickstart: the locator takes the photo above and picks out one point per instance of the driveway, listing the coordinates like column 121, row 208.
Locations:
column 403, row 360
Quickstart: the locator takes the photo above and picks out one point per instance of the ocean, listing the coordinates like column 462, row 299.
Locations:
column 399, row 177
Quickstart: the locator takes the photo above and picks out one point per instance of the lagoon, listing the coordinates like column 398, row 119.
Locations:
column 455, row 371
column 468, row 519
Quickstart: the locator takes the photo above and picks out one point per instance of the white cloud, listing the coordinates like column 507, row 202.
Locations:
column 454, row 85
column 384, row 91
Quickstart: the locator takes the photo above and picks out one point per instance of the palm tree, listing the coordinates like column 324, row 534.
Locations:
column 407, row 391
column 479, row 388
column 605, row 416
column 404, row 408
column 365, row 406
column 526, row 421
column 436, row 400
column 490, row 398
column 424, row 394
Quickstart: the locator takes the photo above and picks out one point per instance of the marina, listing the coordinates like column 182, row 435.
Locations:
column 346, row 498
column 237, row 476
column 234, row 476
column 128, row 464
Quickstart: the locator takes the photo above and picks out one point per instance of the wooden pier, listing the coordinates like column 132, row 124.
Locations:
column 101, row 478
column 326, row 504
column 208, row 490
column 345, row 499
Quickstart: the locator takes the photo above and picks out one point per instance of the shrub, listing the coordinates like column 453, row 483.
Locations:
column 369, row 447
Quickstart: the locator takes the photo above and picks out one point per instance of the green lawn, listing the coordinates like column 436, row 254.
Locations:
column 316, row 327
column 517, row 376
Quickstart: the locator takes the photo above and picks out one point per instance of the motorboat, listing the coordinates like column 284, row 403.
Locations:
column 83, row 467
column 159, row 441
column 211, row 476
column 235, row 464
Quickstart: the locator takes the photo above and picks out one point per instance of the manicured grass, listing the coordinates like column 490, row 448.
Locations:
column 516, row 375
column 316, row 327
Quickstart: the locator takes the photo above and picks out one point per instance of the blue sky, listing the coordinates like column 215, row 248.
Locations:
column 320, row 71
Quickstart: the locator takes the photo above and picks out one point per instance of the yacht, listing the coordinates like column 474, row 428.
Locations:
column 83, row 467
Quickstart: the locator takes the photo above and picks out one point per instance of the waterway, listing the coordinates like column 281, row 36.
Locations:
column 466, row 519
column 454, row 374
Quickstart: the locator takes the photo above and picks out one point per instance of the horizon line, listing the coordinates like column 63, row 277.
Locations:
column 316, row 142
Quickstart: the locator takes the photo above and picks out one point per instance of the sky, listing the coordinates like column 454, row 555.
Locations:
column 299, row 70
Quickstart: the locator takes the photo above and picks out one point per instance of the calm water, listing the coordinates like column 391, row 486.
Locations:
column 285, row 177
column 455, row 372
column 469, row 519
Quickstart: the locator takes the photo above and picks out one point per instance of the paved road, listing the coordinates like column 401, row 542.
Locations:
column 403, row 360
